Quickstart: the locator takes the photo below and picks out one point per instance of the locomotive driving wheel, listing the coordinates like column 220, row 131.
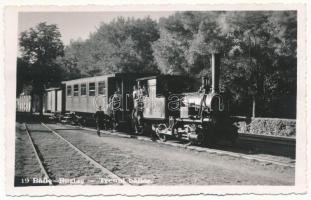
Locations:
column 162, row 137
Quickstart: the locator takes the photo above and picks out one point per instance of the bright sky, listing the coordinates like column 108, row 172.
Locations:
column 74, row 25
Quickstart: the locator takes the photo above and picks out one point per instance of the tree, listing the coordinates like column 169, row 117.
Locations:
column 40, row 47
column 22, row 76
column 71, row 62
column 170, row 50
column 186, row 41
column 259, row 46
column 123, row 45
column 258, row 65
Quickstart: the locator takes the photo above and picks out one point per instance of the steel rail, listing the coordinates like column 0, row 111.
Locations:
column 201, row 149
column 94, row 162
column 46, row 175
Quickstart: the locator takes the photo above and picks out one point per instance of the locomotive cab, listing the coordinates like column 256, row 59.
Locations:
column 158, row 100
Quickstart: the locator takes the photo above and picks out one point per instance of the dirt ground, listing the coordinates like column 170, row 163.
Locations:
column 62, row 163
column 154, row 163
column 26, row 165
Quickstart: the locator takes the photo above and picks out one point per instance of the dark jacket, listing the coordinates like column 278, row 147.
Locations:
column 99, row 116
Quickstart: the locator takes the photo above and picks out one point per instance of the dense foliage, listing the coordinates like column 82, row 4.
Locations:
column 258, row 48
column 40, row 47
column 258, row 67
column 123, row 45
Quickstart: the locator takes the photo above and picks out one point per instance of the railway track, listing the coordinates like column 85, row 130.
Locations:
column 290, row 142
column 63, row 163
column 235, row 151
column 271, row 144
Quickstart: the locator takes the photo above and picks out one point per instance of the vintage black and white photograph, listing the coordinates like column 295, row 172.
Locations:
column 156, row 98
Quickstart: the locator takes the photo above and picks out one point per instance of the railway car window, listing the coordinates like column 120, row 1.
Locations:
column 102, row 88
column 69, row 90
column 91, row 89
column 76, row 90
column 83, row 89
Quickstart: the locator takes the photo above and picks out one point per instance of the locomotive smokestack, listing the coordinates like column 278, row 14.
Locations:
column 215, row 72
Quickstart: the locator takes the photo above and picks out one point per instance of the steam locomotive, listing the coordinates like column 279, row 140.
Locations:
column 199, row 117
column 161, row 105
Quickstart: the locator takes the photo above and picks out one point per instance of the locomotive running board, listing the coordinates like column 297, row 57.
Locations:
column 192, row 120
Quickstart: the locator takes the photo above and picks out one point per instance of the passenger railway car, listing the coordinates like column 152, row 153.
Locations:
column 111, row 92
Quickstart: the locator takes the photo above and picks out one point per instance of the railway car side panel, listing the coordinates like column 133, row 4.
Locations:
column 53, row 102
column 49, row 101
column 75, row 104
column 86, row 95
column 154, row 107
column 83, row 103
column 69, row 98
column 91, row 96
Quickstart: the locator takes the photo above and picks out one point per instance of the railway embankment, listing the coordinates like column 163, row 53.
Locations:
column 267, row 126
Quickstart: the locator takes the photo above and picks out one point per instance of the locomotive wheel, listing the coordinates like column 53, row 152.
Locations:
column 162, row 137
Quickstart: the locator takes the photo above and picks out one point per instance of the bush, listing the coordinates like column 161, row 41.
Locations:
column 268, row 126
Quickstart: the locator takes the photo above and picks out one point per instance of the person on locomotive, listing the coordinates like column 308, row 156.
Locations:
column 204, row 88
column 135, row 92
column 101, row 120
column 115, row 107
column 136, row 115
column 144, row 91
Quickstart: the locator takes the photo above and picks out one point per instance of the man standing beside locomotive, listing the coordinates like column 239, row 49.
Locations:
column 99, row 117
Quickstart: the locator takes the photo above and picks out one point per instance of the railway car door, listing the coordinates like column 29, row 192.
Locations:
column 154, row 105
column 115, row 94
column 59, row 101
column 127, row 99
column 101, row 95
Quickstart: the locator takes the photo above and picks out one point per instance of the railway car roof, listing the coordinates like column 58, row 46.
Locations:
column 94, row 78
column 52, row 88
column 160, row 76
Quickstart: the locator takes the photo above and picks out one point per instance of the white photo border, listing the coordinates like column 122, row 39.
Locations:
column 10, row 54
